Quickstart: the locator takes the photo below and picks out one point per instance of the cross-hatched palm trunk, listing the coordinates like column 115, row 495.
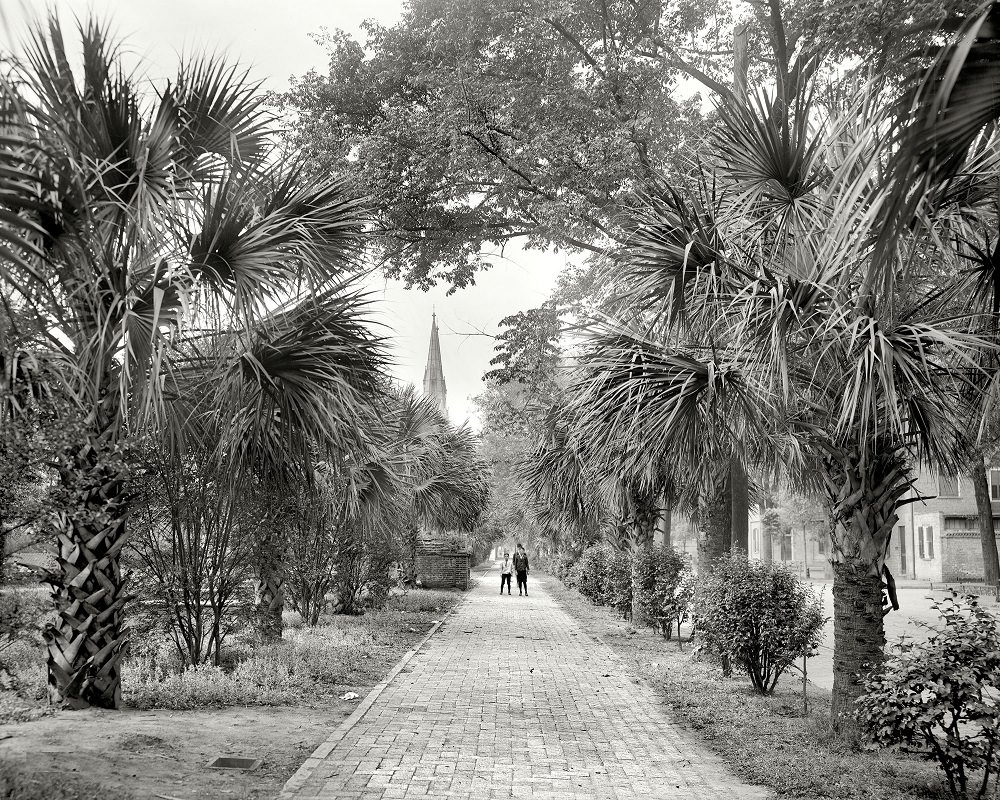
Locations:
column 85, row 643
column 269, row 595
column 715, row 515
column 863, row 492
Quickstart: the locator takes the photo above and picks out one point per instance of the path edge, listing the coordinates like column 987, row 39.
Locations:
column 319, row 755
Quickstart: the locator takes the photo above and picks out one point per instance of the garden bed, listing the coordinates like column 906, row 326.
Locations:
column 764, row 740
column 277, row 703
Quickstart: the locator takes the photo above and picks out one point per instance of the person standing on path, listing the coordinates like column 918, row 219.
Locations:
column 505, row 571
column 521, row 568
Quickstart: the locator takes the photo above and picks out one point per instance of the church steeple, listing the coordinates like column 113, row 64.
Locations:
column 434, row 387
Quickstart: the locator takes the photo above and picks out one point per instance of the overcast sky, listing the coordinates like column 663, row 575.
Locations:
column 272, row 37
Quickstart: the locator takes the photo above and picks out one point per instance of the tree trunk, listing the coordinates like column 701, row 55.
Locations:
column 863, row 490
column 663, row 520
column 269, row 602
column 987, row 534
column 714, row 526
column 858, row 636
column 411, row 540
column 3, row 553
column 85, row 644
column 741, row 506
column 643, row 522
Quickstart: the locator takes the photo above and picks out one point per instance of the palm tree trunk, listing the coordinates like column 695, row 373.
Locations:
column 741, row 506
column 411, row 541
column 269, row 601
column 642, row 516
column 987, row 533
column 863, row 491
column 663, row 520
column 84, row 646
column 714, row 526
column 858, row 635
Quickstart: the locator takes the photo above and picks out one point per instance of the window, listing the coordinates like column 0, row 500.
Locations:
column 961, row 523
column 786, row 545
column 948, row 485
column 902, row 549
column 755, row 538
column 920, row 542
column 995, row 485
column 929, row 532
column 821, row 544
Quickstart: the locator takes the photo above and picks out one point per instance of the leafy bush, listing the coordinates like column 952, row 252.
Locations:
column 564, row 568
column 618, row 582
column 759, row 615
column 678, row 597
column 645, row 568
column 655, row 573
column 23, row 612
column 591, row 571
column 939, row 697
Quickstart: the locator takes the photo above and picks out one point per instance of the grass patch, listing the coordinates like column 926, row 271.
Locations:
column 309, row 665
column 764, row 740
column 20, row 783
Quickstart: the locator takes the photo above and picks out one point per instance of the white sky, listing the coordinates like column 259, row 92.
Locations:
column 272, row 37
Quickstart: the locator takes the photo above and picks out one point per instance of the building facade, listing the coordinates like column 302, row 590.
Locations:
column 936, row 537
column 804, row 548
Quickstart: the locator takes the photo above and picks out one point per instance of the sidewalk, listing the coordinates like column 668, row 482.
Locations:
column 510, row 698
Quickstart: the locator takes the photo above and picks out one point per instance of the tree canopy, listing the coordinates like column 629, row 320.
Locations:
column 535, row 121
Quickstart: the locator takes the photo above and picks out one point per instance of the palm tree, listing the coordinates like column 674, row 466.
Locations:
column 818, row 358
column 134, row 216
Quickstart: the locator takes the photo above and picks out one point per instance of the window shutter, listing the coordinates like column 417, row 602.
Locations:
column 930, row 541
column 920, row 540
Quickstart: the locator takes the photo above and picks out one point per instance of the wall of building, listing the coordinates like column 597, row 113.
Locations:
column 962, row 557
column 442, row 570
column 926, row 565
column 805, row 550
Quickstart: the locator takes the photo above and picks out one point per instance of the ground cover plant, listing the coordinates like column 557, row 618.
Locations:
column 279, row 699
column 764, row 739
column 21, row 783
column 308, row 663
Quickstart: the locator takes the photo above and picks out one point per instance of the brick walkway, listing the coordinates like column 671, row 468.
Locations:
column 511, row 699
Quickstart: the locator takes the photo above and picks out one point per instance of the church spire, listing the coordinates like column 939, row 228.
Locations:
column 434, row 387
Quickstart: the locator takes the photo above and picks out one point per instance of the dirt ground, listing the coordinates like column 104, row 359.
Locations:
column 163, row 755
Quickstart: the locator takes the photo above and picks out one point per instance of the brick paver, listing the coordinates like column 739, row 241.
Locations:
column 511, row 698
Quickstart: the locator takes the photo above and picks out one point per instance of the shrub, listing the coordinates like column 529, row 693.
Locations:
column 618, row 582
column 759, row 615
column 678, row 596
column 564, row 568
column 655, row 573
column 23, row 612
column 939, row 697
column 645, row 568
column 591, row 572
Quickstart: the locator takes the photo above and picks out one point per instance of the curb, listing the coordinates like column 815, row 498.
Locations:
column 319, row 755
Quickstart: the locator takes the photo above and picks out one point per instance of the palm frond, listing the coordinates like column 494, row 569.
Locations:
column 947, row 106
